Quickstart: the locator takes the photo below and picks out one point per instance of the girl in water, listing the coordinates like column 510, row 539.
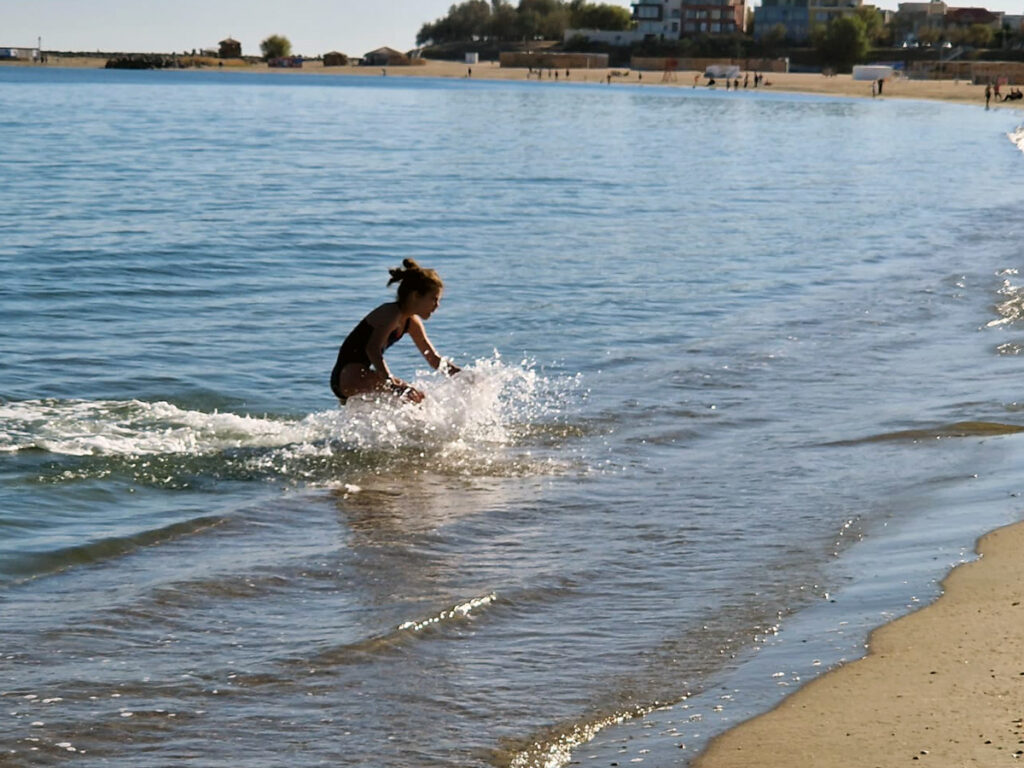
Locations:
column 360, row 367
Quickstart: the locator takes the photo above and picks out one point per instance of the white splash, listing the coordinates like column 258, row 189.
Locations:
column 1011, row 304
column 466, row 415
column 1017, row 136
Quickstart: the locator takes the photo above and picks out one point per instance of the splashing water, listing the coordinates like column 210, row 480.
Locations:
column 480, row 421
column 1017, row 136
column 1010, row 306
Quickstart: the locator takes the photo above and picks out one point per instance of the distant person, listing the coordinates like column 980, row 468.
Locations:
column 746, row 79
column 566, row 74
column 469, row 72
column 874, row 88
column 988, row 94
column 881, row 82
column 696, row 79
column 609, row 78
column 736, row 84
column 995, row 90
column 360, row 367
column 383, row 71
column 728, row 84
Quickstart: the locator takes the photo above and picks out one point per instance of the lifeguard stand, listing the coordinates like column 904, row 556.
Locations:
column 668, row 75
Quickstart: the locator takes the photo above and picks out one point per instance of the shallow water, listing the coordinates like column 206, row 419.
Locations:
column 726, row 354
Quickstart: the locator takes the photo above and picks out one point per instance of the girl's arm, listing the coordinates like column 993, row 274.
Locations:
column 434, row 360
column 382, row 322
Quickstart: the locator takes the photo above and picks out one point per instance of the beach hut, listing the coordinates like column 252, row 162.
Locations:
column 335, row 59
column 728, row 71
column 382, row 57
column 230, row 49
column 873, row 72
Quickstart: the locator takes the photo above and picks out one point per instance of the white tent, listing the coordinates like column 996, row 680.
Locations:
column 730, row 71
column 872, row 72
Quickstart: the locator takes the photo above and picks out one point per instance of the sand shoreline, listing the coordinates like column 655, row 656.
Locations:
column 943, row 685
column 839, row 85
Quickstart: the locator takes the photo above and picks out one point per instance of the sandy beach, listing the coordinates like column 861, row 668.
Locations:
column 838, row 85
column 943, row 686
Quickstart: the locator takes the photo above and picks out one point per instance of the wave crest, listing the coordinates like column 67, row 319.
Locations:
column 477, row 421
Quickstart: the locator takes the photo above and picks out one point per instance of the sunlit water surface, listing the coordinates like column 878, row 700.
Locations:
column 742, row 381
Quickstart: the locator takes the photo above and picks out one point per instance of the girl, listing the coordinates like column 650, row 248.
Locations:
column 360, row 367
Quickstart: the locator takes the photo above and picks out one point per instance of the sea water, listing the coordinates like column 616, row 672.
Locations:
column 741, row 382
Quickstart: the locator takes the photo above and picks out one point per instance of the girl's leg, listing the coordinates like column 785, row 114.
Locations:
column 356, row 379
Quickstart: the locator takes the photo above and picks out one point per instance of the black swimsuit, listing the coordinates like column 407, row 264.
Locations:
column 353, row 350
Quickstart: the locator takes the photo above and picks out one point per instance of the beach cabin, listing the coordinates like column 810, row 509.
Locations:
column 230, row 49
column 873, row 72
column 727, row 71
column 19, row 54
column 335, row 59
column 383, row 57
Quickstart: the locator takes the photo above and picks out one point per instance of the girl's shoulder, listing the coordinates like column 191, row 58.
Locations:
column 384, row 315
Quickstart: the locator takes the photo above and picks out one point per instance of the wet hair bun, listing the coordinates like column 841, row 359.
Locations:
column 412, row 278
column 398, row 274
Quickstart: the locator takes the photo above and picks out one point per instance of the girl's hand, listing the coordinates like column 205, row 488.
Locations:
column 404, row 390
column 412, row 394
column 450, row 368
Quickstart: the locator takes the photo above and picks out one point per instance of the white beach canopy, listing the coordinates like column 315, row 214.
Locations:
column 872, row 72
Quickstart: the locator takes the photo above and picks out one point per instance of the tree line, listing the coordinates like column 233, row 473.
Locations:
column 500, row 21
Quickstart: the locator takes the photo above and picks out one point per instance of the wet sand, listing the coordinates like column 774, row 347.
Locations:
column 943, row 686
column 838, row 85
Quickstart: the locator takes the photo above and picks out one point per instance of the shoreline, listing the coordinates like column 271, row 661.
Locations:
column 951, row 91
column 943, row 684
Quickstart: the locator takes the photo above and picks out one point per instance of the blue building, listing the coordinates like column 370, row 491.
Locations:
column 794, row 15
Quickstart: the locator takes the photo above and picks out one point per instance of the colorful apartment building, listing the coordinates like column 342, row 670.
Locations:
column 674, row 19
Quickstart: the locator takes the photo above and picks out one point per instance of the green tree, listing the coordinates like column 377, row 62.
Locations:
column 275, row 47
column 466, row 21
column 979, row 35
column 874, row 24
column 929, row 35
column 774, row 39
column 843, row 42
column 600, row 16
column 504, row 22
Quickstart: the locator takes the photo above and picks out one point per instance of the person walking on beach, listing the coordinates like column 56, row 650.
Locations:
column 988, row 94
column 360, row 367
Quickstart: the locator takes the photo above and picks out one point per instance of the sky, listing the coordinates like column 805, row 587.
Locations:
column 314, row 27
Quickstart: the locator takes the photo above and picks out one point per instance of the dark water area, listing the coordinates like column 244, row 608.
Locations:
column 741, row 382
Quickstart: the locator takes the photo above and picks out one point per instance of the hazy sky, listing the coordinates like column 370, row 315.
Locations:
column 313, row 26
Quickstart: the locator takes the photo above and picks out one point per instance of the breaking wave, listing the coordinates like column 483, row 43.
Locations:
column 485, row 420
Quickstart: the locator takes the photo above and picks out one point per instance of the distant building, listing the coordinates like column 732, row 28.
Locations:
column 1014, row 22
column 793, row 15
column 230, row 49
column 19, row 54
column 675, row 19
column 606, row 36
column 968, row 17
column 824, row 12
column 911, row 18
column 385, row 56
column 335, row 59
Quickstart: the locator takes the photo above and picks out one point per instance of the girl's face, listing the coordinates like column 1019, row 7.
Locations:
column 424, row 304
